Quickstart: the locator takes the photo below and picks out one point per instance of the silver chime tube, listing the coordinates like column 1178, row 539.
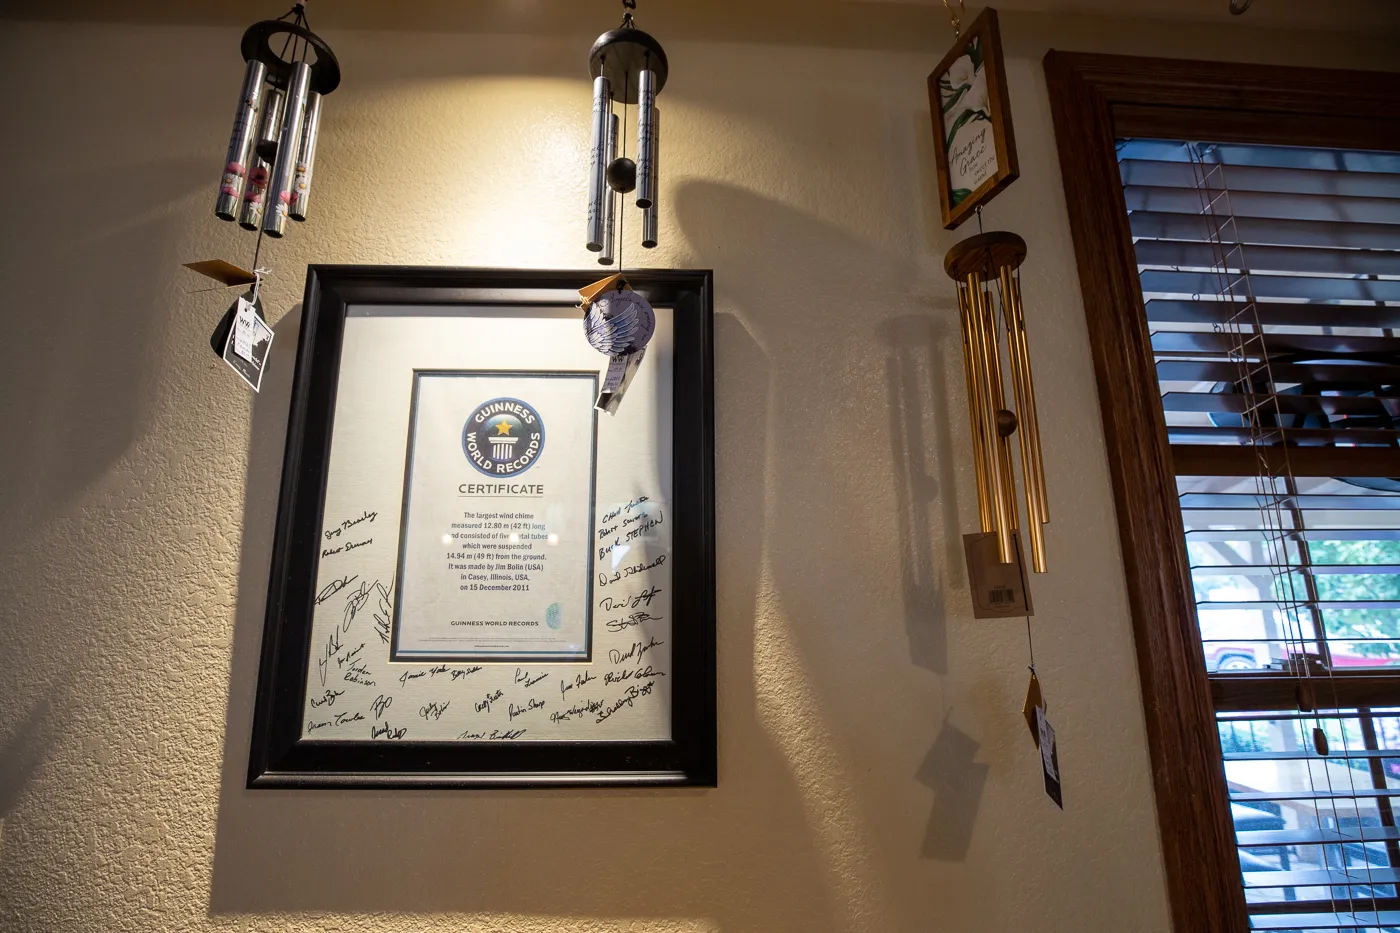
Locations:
column 598, row 163
column 254, row 192
column 649, row 214
column 605, row 258
column 306, row 158
column 271, row 124
column 240, row 142
column 288, row 148
column 646, row 132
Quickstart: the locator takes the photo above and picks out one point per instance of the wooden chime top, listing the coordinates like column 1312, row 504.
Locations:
column 985, row 253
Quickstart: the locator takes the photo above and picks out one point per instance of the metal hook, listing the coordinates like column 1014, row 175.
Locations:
column 956, row 18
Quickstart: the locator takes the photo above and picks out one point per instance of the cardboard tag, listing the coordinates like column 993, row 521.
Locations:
column 222, row 271
column 1035, row 701
column 1049, row 757
column 249, row 341
column 589, row 292
column 999, row 591
column 621, row 369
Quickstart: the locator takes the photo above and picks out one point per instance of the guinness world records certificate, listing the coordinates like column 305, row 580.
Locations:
column 497, row 528
column 495, row 556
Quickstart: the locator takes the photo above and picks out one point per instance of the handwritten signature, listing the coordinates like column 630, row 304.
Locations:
column 333, row 587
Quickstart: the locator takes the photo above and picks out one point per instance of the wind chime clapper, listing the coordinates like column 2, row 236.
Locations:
column 985, row 268
column 628, row 67
column 272, row 149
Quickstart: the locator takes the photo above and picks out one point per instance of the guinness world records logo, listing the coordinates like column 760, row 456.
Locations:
column 503, row 437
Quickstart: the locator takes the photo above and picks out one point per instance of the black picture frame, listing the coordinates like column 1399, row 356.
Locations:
column 280, row 757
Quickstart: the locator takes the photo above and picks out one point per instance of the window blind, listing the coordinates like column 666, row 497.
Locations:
column 1271, row 284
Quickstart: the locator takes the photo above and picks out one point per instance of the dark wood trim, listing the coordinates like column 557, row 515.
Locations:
column 1220, row 460
column 1096, row 99
column 1242, row 693
column 1188, row 776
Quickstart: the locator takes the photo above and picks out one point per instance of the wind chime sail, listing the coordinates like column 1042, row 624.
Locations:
column 986, row 270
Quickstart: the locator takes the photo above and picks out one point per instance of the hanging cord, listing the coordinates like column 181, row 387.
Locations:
column 955, row 16
column 1271, row 506
column 627, row 20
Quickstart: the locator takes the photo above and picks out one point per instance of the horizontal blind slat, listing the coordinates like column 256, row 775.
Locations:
column 1270, row 258
column 1265, row 232
column 1260, row 205
column 1296, row 879
column 1234, row 403
column 1358, row 920
column 1312, row 288
column 1313, row 836
column 1277, row 314
column 1312, row 159
column 1337, row 374
column 1163, row 174
column 1216, row 342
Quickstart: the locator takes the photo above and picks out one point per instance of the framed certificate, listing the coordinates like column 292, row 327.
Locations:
column 479, row 578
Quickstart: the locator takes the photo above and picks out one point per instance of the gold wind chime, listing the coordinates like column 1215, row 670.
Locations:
column 986, row 270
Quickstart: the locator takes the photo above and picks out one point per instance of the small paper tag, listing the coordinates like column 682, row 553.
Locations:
column 1035, row 702
column 621, row 368
column 1049, row 757
column 244, row 329
column 249, row 341
column 999, row 590
column 221, row 271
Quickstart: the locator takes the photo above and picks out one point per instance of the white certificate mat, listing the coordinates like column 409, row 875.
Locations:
column 388, row 576
column 497, row 523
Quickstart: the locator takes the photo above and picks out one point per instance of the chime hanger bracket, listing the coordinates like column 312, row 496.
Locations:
column 257, row 44
column 622, row 54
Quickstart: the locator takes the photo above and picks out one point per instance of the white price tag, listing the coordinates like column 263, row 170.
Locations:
column 245, row 330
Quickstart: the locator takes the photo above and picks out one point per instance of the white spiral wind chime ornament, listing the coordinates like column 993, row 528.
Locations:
column 628, row 67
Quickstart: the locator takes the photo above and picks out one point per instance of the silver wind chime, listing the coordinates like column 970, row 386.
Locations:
column 268, row 169
column 272, row 150
column 628, row 67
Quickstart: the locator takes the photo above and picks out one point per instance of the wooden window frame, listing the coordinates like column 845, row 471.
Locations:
column 1096, row 99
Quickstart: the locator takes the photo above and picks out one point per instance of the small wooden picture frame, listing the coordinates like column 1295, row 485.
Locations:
column 974, row 147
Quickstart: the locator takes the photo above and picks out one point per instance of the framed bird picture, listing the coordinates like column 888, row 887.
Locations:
column 486, row 571
column 974, row 147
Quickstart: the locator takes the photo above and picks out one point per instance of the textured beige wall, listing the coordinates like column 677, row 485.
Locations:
column 875, row 773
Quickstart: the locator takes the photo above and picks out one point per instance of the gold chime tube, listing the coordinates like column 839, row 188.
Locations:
column 1009, row 516
column 972, row 375
column 1030, row 468
column 990, row 365
column 1032, row 415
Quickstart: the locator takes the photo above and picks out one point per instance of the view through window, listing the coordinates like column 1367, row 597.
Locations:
column 1271, row 280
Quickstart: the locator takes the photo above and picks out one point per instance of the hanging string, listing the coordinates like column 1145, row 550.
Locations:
column 954, row 17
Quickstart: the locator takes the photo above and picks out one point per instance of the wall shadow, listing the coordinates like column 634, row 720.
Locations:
column 84, row 386
column 599, row 853
column 957, row 782
column 915, row 378
column 21, row 754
